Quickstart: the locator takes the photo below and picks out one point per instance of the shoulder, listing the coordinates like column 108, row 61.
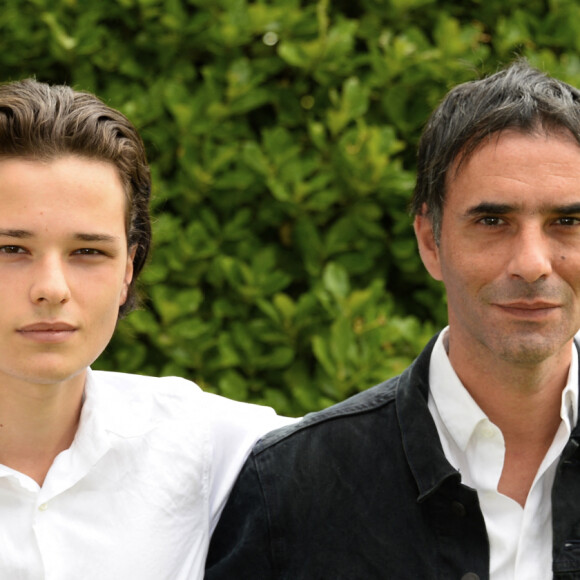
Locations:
column 357, row 411
column 380, row 410
column 143, row 394
column 176, row 397
column 130, row 383
column 132, row 404
column 208, row 436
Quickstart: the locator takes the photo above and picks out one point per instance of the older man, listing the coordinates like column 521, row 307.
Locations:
column 467, row 465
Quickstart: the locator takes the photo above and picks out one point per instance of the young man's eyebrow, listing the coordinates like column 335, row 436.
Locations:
column 19, row 234
column 95, row 237
column 81, row 236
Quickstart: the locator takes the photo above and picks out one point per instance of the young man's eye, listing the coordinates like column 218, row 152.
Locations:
column 12, row 250
column 88, row 252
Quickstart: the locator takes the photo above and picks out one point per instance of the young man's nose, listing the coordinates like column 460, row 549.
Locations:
column 50, row 284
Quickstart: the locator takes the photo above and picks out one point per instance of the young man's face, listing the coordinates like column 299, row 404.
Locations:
column 64, row 266
column 509, row 253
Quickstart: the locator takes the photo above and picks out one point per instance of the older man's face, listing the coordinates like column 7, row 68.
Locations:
column 509, row 253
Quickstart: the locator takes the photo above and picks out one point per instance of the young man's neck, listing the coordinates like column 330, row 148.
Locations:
column 37, row 422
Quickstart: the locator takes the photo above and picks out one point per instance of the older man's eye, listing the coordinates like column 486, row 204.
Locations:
column 568, row 221
column 491, row 221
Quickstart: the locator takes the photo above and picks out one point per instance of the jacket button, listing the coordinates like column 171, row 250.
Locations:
column 470, row 576
column 458, row 510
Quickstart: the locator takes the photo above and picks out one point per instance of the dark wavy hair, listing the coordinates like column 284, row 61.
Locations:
column 519, row 98
column 45, row 122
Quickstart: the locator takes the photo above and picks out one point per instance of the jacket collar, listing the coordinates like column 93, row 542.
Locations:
column 420, row 438
column 576, row 430
column 421, row 442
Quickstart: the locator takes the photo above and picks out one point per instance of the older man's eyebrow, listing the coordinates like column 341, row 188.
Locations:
column 572, row 208
column 489, row 208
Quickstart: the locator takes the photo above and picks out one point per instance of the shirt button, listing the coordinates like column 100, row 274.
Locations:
column 458, row 508
column 470, row 576
column 43, row 507
column 488, row 432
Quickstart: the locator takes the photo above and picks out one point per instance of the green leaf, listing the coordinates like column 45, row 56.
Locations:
column 335, row 280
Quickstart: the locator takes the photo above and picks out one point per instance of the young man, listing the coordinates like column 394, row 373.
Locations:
column 102, row 475
column 466, row 466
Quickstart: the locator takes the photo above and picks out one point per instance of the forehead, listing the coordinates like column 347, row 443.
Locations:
column 515, row 167
column 60, row 191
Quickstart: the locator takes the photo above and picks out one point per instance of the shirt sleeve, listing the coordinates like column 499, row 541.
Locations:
column 240, row 545
column 234, row 428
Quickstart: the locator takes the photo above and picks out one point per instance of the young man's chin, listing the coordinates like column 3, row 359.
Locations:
column 52, row 373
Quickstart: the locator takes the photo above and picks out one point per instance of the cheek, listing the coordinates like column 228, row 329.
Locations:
column 101, row 294
column 463, row 277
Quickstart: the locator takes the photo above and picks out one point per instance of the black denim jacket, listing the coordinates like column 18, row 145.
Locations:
column 363, row 490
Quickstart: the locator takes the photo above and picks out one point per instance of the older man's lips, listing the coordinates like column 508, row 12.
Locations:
column 529, row 310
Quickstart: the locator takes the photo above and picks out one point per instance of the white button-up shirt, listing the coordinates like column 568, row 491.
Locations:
column 139, row 491
column 520, row 538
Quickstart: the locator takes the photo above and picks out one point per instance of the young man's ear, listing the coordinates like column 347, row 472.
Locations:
column 128, row 275
column 428, row 248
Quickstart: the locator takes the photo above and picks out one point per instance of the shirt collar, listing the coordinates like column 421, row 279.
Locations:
column 111, row 407
column 461, row 414
column 110, row 412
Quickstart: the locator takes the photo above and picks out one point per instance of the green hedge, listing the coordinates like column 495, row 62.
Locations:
column 282, row 139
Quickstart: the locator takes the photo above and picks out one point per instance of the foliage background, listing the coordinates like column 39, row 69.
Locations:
column 282, row 138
